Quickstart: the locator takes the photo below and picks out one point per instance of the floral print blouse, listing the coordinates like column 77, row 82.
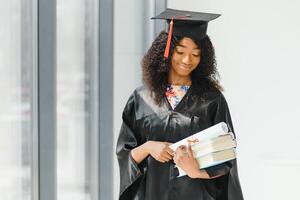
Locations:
column 175, row 93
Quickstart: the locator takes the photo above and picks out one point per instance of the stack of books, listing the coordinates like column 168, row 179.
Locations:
column 215, row 151
column 212, row 146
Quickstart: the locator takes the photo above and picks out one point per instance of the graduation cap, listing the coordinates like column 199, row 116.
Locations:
column 185, row 24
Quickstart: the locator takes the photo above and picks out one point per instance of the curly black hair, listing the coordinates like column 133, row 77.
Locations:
column 155, row 68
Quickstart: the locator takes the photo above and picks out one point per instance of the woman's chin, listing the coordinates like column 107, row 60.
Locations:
column 184, row 72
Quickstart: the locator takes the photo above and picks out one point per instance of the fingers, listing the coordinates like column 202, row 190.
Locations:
column 163, row 157
column 161, row 160
column 178, row 153
column 168, row 152
column 181, row 153
column 167, row 156
column 181, row 150
column 189, row 151
column 168, row 149
column 163, row 152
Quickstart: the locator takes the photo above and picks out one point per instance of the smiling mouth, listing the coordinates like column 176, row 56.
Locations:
column 185, row 67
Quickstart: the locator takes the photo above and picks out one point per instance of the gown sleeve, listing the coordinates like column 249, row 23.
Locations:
column 221, row 113
column 131, row 174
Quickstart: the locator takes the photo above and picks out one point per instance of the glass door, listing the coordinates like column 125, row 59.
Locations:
column 77, row 99
column 17, row 103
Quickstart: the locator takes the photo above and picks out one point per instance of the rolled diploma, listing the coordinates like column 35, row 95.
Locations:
column 206, row 134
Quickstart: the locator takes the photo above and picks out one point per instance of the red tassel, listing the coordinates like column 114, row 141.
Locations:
column 167, row 49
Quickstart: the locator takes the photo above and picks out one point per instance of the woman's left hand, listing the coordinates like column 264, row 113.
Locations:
column 184, row 159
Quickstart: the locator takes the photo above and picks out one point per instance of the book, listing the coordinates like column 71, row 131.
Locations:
column 212, row 159
column 212, row 146
column 216, row 158
column 215, row 144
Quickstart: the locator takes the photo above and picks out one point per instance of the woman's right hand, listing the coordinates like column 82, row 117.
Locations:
column 160, row 151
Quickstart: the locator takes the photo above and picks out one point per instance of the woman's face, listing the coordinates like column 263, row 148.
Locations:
column 185, row 58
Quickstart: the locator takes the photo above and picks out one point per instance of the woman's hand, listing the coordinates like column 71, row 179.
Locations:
column 184, row 159
column 160, row 151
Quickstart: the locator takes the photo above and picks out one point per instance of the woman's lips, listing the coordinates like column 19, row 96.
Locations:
column 185, row 67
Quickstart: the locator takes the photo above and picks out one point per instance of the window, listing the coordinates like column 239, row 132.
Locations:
column 17, row 107
column 77, row 99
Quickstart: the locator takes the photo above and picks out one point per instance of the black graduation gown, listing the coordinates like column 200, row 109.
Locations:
column 143, row 120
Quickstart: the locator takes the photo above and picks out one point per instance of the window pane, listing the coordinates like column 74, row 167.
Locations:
column 17, row 64
column 77, row 99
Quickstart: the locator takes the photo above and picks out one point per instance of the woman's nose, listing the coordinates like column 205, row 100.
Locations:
column 186, row 59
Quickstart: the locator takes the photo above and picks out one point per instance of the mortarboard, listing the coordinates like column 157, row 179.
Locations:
column 185, row 24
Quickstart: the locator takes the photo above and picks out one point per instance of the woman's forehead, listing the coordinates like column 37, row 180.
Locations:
column 187, row 43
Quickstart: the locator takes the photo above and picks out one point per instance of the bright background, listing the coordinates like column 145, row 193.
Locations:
column 257, row 49
column 97, row 48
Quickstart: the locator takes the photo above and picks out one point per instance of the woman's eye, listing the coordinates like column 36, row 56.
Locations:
column 180, row 52
column 196, row 55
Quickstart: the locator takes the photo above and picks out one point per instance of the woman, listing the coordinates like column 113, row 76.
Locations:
column 181, row 96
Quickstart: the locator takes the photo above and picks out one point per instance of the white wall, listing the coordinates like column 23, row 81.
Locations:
column 257, row 47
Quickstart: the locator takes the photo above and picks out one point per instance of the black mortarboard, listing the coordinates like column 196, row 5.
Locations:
column 185, row 24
